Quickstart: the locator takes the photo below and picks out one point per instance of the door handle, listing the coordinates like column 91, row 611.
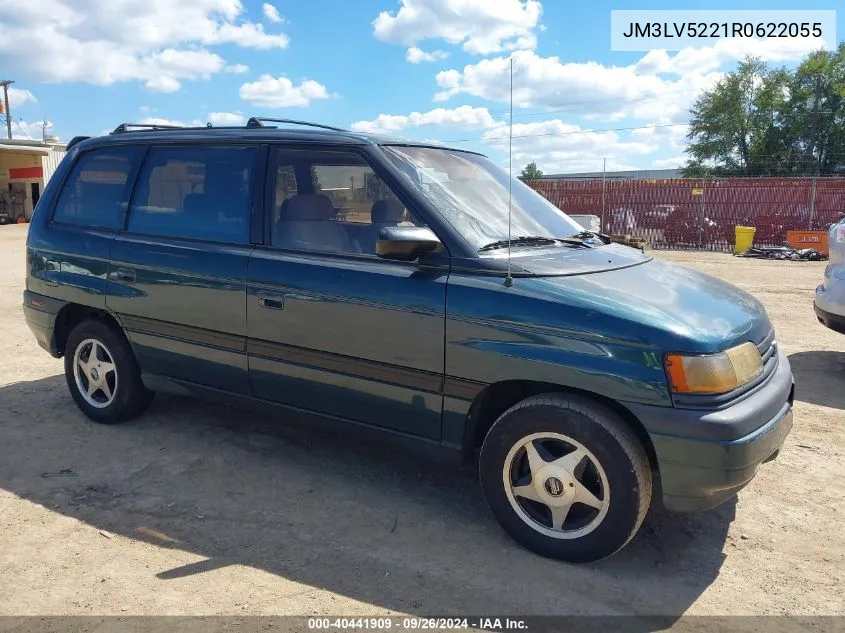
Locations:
column 126, row 274
column 271, row 302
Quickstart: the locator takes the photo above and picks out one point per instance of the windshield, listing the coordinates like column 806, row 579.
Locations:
column 472, row 195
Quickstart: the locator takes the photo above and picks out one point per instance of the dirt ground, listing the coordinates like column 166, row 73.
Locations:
column 197, row 509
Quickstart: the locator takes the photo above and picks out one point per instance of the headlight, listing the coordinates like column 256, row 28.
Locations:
column 714, row 373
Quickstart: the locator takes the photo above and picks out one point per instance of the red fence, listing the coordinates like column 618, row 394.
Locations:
column 702, row 213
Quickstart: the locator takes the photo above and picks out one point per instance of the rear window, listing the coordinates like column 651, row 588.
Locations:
column 96, row 193
column 195, row 192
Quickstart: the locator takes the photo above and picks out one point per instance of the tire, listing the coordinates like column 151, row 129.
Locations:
column 611, row 473
column 118, row 394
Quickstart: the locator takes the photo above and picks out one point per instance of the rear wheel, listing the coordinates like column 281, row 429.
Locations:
column 102, row 374
column 565, row 477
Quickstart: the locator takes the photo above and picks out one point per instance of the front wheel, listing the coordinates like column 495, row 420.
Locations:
column 102, row 374
column 565, row 477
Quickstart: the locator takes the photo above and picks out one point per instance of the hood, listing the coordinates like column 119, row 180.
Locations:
column 675, row 307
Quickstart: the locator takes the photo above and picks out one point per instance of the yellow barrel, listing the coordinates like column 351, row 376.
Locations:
column 744, row 238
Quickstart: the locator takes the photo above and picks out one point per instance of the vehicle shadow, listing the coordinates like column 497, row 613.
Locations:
column 819, row 378
column 360, row 519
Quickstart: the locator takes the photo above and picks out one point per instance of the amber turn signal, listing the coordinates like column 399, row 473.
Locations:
column 714, row 373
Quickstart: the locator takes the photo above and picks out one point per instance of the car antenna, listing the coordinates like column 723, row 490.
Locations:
column 509, row 279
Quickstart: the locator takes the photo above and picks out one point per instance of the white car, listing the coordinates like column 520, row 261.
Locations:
column 830, row 295
column 589, row 222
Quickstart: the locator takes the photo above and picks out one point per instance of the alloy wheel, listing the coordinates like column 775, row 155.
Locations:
column 95, row 373
column 556, row 485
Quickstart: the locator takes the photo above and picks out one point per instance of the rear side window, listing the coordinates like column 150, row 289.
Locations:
column 96, row 193
column 198, row 192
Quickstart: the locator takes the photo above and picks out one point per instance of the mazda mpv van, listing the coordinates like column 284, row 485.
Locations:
column 413, row 289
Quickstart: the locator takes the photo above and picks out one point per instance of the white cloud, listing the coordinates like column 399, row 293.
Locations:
column 709, row 58
column 226, row 118
column 30, row 131
column 19, row 97
column 557, row 146
column 481, row 26
column 280, row 92
column 416, row 55
column 658, row 85
column 163, row 83
column 669, row 163
column 158, row 42
column 249, row 35
column 157, row 120
column 215, row 118
column 463, row 116
column 271, row 13
column 546, row 81
column 236, row 68
column 665, row 132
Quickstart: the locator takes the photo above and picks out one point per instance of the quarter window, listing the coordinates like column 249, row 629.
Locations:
column 96, row 192
column 195, row 192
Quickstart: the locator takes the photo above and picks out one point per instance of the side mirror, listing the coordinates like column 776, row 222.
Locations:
column 406, row 243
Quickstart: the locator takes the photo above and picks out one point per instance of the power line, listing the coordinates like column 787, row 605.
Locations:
column 598, row 157
column 566, row 108
column 592, row 131
column 616, row 129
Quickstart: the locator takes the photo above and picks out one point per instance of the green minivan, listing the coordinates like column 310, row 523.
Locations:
column 412, row 289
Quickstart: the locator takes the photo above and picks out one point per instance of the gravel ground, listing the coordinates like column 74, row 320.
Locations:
column 198, row 509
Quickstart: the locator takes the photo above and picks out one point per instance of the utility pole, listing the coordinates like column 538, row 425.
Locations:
column 603, row 190
column 814, row 144
column 812, row 204
column 5, row 83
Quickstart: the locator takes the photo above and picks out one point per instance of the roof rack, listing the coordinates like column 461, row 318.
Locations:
column 258, row 121
column 253, row 122
column 129, row 127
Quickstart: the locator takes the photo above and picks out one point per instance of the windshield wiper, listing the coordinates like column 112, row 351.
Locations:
column 522, row 240
column 535, row 240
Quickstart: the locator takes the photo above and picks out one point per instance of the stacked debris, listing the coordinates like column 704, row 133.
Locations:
column 784, row 252
column 628, row 240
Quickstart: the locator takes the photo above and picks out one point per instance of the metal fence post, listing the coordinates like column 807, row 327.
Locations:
column 603, row 192
column 701, row 214
column 812, row 204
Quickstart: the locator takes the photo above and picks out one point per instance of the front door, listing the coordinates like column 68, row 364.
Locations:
column 177, row 276
column 332, row 327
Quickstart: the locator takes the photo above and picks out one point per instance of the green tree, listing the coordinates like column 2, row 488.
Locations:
column 736, row 127
column 531, row 172
column 762, row 121
column 815, row 120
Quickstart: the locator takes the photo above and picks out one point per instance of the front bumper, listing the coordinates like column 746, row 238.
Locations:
column 829, row 303
column 835, row 322
column 705, row 457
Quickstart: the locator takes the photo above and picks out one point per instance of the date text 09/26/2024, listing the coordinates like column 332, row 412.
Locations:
column 417, row 624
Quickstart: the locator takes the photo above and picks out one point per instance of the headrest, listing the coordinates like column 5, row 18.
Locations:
column 384, row 211
column 308, row 207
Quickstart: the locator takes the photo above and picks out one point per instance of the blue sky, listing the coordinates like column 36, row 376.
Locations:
column 427, row 69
